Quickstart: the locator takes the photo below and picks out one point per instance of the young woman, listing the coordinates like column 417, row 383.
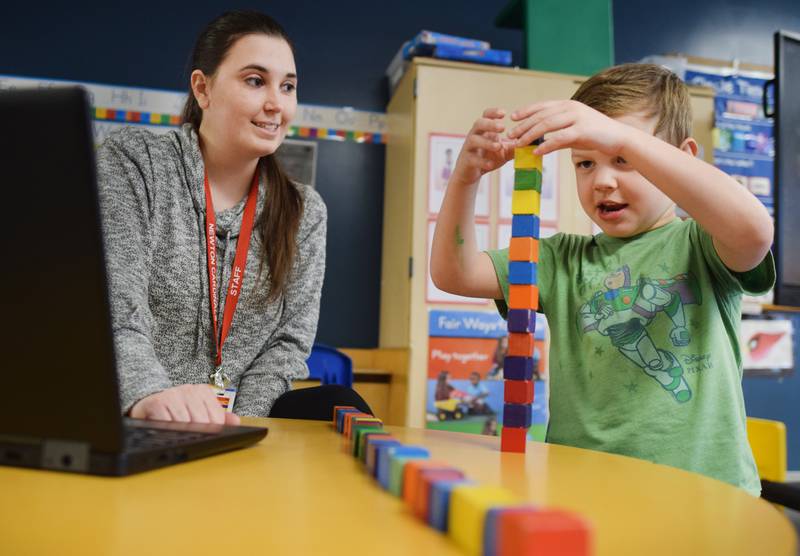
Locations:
column 216, row 258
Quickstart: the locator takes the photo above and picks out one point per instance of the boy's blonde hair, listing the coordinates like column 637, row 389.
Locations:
column 629, row 88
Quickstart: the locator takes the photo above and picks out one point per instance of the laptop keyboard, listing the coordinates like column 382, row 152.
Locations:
column 138, row 438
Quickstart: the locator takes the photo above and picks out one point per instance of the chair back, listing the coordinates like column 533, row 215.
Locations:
column 768, row 442
column 330, row 366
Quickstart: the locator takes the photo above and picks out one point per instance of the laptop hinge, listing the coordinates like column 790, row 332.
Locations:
column 65, row 456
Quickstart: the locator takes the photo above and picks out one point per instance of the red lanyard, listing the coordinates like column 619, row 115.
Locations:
column 239, row 261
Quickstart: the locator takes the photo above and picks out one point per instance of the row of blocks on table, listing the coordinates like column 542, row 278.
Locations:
column 481, row 520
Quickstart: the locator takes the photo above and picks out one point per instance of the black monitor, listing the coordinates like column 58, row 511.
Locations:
column 787, row 168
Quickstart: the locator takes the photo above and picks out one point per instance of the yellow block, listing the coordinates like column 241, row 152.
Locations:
column 468, row 507
column 768, row 442
column 155, row 118
column 525, row 159
column 525, row 201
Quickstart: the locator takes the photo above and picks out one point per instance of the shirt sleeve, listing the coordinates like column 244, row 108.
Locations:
column 755, row 281
column 499, row 259
column 284, row 355
column 125, row 208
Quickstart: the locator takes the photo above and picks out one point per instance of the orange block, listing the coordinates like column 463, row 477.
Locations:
column 518, row 391
column 513, row 440
column 523, row 249
column 520, row 344
column 523, row 296
column 338, row 407
column 543, row 532
column 411, row 477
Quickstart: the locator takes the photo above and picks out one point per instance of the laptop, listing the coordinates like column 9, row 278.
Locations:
column 61, row 407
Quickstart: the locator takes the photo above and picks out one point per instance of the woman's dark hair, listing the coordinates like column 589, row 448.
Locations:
column 283, row 204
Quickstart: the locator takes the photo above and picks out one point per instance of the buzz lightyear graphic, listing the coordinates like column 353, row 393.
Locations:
column 624, row 311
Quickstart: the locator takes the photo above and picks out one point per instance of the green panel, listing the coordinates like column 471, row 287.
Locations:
column 564, row 36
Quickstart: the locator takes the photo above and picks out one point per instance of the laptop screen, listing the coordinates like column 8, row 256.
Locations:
column 58, row 364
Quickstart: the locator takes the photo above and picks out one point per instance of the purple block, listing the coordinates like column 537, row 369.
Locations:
column 521, row 320
column 517, row 415
column 518, row 368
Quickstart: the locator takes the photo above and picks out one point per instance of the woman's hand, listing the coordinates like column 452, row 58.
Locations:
column 189, row 403
column 483, row 151
column 568, row 124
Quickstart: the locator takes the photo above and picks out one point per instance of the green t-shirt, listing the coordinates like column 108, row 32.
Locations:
column 644, row 355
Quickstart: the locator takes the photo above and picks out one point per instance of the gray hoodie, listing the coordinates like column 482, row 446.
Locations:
column 153, row 206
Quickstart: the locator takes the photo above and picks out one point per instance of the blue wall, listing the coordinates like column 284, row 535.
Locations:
column 342, row 50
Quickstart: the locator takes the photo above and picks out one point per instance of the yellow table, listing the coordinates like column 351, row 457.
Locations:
column 299, row 492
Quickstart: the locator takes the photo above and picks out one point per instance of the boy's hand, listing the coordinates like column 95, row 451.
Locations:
column 484, row 151
column 569, row 124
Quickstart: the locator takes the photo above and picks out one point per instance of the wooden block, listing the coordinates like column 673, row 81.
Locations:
column 524, row 225
column 521, row 272
column 362, row 421
column 390, row 463
column 439, row 512
column 524, row 249
column 518, row 368
column 523, row 296
column 517, row 415
column 528, row 179
column 491, row 526
column 544, row 532
column 525, row 202
column 468, row 507
column 348, row 421
column 340, row 419
column 361, row 451
column 521, row 320
column 373, row 451
column 428, row 477
column 338, row 408
column 518, row 391
column 513, row 440
column 520, row 344
column 358, row 433
column 411, row 477
column 525, row 159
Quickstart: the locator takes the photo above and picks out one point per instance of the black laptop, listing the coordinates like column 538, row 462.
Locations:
column 60, row 409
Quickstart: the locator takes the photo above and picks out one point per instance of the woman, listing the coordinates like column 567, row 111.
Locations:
column 216, row 258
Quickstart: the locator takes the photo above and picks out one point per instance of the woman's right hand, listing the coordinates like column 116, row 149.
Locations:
column 484, row 149
column 188, row 403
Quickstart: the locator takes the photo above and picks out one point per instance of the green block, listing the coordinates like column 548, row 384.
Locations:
column 564, row 36
column 361, row 452
column 528, row 179
column 358, row 430
column 396, row 466
column 164, row 118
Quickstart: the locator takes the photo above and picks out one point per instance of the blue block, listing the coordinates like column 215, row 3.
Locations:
column 521, row 272
column 517, row 415
column 439, row 509
column 518, row 368
column 383, row 458
column 525, row 225
column 340, row 418
column 381, row 444
column 521, row 320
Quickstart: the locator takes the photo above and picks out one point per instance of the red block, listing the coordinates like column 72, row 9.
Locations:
column 428, row 477
column 543, row 532
column 518, row 391
column 513, row 440
column 520, row 344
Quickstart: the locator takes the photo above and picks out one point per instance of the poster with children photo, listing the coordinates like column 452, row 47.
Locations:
column 549, row 197
column 442, row 156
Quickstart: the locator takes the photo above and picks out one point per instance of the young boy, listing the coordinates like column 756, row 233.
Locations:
column 643, row 317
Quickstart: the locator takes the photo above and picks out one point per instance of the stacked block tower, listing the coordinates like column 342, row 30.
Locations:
column 523, row 298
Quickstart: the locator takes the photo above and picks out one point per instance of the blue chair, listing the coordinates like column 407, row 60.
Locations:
column 330, row 366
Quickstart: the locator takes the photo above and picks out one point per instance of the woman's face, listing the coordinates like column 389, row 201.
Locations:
column 252, row 97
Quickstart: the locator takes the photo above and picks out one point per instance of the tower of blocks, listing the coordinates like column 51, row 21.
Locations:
column 523, row 298
column 481, row 520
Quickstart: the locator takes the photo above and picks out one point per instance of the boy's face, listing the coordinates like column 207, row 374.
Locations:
column 615, row 196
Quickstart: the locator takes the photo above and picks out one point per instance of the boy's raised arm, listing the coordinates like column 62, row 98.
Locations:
column 457, row 266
